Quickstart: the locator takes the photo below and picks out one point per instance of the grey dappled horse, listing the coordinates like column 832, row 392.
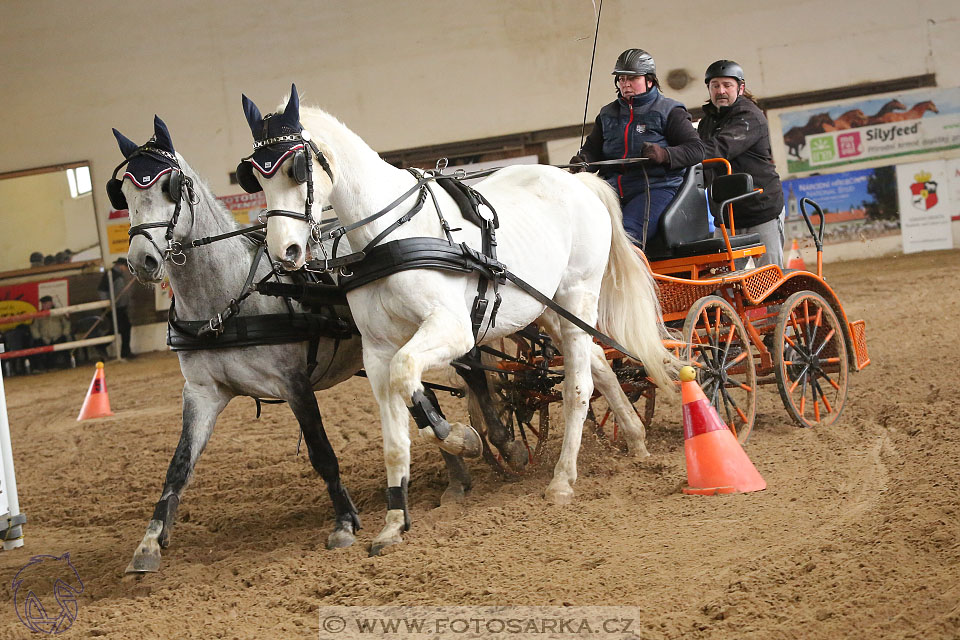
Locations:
column 169, row 207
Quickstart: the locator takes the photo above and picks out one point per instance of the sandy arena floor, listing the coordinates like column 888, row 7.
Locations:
column 856, row 536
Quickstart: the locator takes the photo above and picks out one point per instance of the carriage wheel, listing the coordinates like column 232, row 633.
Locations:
column 718, row 347
column 642, row 396
column 810, row 360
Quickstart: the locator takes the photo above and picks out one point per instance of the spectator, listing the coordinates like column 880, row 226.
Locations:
column 121, row 276
column 49, row 330
column 36, row 259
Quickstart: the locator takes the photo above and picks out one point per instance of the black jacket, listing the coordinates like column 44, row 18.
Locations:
column 740, row 134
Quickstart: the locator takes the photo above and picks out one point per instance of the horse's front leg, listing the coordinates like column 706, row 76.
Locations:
column 441, row 338
column 324, row 461
column 394, row 425
column 201, row 406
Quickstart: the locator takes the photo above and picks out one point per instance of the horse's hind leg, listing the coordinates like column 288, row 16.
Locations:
column 201, row 406
column 577, row 389
column 609, row 387
column 324, row 461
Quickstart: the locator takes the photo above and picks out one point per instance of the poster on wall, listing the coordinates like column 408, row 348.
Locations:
column 245, row 207
column 953, row 186
column 857, row 205
column 18, row 299
column 869, row 129
column 925, row 209
column 162, row 295
column 118, row 224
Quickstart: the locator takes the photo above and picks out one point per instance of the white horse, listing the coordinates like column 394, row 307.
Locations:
column 559, row 232
column 204, row 280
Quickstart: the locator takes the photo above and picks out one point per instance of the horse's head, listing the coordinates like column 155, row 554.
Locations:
column 153, row 189
column 895, row 105
column 288, row 166
column 926, row 105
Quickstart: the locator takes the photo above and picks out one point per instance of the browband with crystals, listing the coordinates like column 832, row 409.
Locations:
column 293, row 137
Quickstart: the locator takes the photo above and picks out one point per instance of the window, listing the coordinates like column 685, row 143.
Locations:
column 79, row 181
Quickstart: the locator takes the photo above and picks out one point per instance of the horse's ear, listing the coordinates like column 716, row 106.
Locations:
column 291, row 113
column 127, row 146
column 162, row 134
column 253, row 115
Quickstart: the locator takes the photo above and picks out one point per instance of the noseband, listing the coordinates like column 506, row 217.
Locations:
column 179, row 188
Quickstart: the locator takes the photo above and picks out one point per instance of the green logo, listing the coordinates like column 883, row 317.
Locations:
column 822, row 150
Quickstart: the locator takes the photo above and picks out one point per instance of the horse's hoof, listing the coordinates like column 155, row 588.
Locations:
column 340, row 539
column 453, row 494
column 559, row 494
column 516, row 455
column 378, row 546
column 146, row 559
column 638, row 450
column 463, row 440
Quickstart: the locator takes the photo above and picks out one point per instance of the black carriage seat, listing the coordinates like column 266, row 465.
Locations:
column 684, row 230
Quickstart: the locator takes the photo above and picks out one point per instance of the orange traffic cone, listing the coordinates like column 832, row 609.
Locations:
column 716, row 462
column 97, row 402
column 794, row 259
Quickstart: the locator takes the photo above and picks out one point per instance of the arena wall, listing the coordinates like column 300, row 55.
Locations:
column 407, row 74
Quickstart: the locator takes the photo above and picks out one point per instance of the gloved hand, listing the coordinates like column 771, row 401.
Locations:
column 656, row 153
column 577, row 159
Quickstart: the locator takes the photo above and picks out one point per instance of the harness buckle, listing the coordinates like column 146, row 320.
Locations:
column 216, row 324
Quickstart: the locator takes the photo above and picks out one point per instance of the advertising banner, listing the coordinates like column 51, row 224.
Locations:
column 953, row 186
column 245, row 207
column 17, row 299
column 856, row 204
column 925, row 208
column 868, row 129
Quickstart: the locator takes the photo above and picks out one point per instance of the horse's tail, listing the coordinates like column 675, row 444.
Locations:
column 629, row 308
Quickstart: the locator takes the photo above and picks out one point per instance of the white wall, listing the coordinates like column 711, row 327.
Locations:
column 412, row 73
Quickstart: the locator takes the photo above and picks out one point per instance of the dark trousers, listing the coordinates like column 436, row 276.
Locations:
column 123, row 328
column 635, row 211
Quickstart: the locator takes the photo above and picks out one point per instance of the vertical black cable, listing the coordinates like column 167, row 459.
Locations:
column 590, row 77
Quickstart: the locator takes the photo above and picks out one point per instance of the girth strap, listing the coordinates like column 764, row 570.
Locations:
column 248, row 331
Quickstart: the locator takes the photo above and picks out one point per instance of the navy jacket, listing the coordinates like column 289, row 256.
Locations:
column 622, row 127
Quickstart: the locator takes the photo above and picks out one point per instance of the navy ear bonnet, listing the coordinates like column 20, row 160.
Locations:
column 276, row 137
column 146, row 164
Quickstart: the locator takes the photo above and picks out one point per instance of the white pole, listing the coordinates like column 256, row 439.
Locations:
column 11, row 530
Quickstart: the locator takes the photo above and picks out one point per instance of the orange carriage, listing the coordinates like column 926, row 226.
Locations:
column 741, row 327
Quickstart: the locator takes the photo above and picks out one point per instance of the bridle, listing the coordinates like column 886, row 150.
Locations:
column 179, row 188
column 302, row 147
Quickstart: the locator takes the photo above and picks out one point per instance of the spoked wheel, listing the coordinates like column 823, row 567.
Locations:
column 718, row 347
column 810, row 360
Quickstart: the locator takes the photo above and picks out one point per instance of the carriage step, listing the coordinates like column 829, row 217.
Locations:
column 858, row 329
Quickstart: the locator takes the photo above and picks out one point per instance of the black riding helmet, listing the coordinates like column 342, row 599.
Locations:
column 724, row 69
column 634, row 62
